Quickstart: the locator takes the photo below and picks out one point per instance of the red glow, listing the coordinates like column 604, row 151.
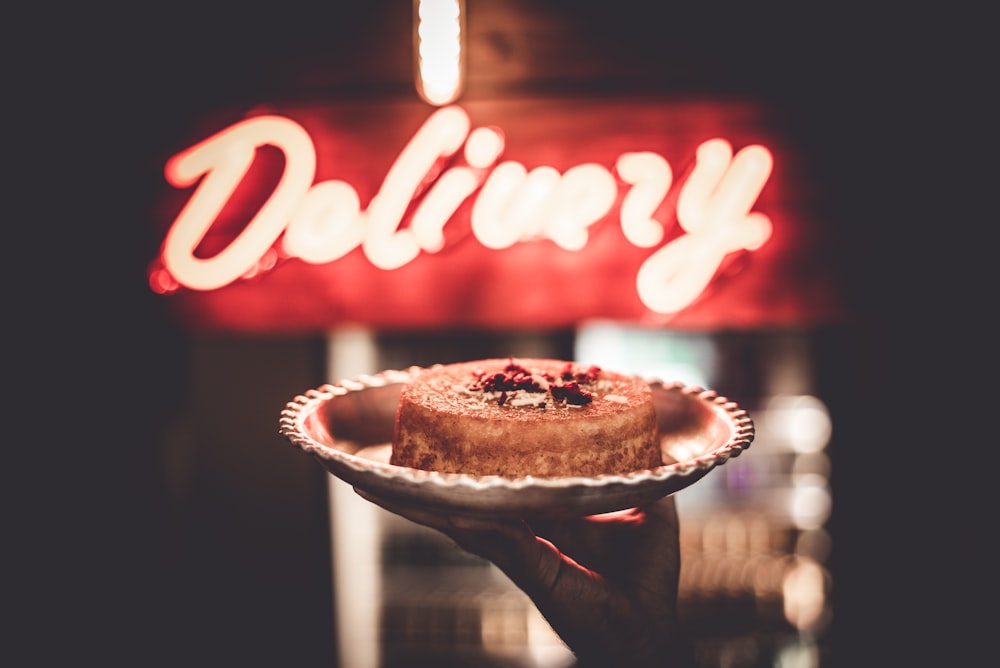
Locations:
column 624, row 239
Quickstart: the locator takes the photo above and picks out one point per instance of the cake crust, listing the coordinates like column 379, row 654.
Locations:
column 525, row 417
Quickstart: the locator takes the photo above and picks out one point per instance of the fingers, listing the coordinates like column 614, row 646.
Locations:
column 507, row 543
column 638, row 546
column 602, row 542
column 532, row 563
column 589, row 541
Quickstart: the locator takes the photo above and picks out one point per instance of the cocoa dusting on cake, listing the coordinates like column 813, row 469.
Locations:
column 521, row 387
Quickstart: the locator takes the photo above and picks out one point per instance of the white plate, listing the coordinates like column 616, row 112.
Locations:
column 347, row 427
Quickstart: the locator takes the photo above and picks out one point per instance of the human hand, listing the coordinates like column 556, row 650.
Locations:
column 606, row 584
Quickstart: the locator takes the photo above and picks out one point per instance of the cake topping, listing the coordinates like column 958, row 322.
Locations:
column 521, row 387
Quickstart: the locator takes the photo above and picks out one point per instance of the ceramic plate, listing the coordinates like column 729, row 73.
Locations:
column 347, row 427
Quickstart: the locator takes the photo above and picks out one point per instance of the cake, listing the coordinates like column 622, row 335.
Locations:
column 525, row 417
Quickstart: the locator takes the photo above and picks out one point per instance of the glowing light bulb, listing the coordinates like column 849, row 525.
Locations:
column 438, row 40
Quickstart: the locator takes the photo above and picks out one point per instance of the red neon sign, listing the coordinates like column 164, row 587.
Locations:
column 451, row 176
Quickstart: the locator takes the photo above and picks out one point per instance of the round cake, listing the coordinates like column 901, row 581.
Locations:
column 525, row 417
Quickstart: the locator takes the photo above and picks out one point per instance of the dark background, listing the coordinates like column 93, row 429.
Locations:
column 891, row 106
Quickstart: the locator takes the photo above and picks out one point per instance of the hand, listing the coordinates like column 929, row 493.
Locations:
column 606, row 584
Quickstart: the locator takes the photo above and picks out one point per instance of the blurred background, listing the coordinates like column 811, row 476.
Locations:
column 173, row 526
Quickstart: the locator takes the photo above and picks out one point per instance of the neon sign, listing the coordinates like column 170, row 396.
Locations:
column 444, row 164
